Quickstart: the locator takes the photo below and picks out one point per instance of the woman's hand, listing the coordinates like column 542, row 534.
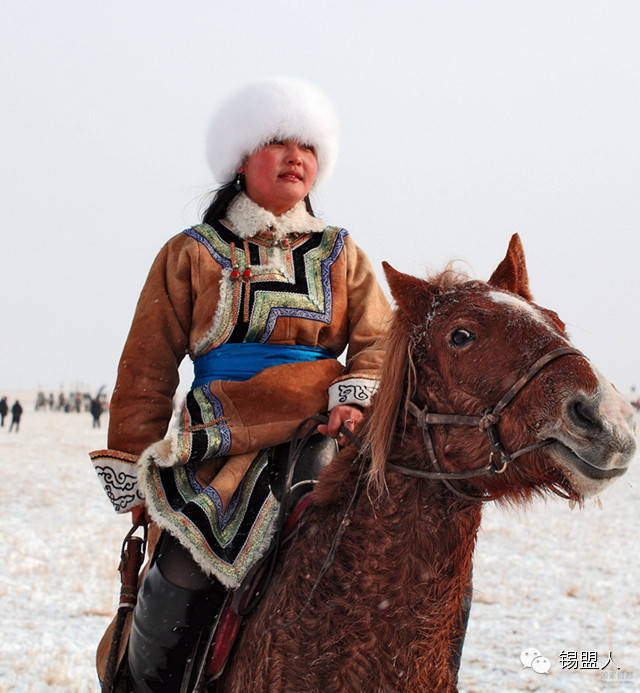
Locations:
column 344, row 414
column 138, row 513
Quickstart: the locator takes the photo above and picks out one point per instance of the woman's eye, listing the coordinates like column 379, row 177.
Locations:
column 276, row 142
column 461, row 337
column 310, row 147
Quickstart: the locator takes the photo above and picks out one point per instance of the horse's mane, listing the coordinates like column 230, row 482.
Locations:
column 398, row 381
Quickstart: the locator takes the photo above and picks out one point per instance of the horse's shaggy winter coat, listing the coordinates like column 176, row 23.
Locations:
column 385, row 616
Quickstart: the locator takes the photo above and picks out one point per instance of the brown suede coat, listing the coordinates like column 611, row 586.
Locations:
column 190, row 304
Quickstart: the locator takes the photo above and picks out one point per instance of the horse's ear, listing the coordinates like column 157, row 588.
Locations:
column 511, row 274
column 412, row 295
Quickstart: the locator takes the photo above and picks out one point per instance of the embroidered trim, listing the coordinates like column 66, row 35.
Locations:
column 203, row 431
column 224, row 516
column 300, row 287
column 352, row 391
column 198, row 233
column 248, row 219
column 225, row 546
column 118, row 474
column 318, row 265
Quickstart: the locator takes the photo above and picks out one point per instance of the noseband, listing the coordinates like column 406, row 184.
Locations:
column 487, row 422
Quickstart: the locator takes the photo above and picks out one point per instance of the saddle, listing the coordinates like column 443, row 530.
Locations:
column 312, row 455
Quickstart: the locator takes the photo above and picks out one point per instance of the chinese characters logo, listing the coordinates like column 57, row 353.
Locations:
column 574, row 660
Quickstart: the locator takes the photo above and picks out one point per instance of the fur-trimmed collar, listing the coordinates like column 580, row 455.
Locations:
column 248, row 219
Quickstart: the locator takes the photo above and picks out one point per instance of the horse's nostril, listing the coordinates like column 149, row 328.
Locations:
column 585, row 415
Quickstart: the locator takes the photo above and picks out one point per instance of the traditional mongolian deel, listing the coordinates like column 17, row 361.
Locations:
column 287, row 281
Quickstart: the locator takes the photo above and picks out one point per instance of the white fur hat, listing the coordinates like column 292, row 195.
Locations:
column 282, row 107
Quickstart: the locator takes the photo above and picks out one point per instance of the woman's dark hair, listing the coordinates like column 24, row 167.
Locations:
column 222, row 198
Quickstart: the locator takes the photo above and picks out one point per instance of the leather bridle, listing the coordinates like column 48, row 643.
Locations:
column 486, row 422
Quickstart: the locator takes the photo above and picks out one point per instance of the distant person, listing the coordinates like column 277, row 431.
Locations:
column 16, row 413
column 4, row 409
column 96, row 411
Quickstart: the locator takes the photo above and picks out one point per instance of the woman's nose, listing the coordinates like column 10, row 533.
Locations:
column 294, row 155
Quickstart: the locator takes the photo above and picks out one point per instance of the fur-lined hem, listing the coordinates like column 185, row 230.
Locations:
column 211, row 558
column 164, row 453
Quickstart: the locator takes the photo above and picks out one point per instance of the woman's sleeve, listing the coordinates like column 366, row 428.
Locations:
column 368, row 313
column 142, row 401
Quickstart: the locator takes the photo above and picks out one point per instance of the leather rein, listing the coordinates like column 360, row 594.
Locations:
column 486, row 422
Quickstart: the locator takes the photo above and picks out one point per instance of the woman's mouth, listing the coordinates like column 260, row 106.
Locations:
column 291, row 176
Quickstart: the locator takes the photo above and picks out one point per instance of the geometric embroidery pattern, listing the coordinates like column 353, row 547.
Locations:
column 225, row 544
column 292, row 280
column 203, row 431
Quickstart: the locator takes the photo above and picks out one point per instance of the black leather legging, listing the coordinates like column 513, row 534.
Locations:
column 176, row 609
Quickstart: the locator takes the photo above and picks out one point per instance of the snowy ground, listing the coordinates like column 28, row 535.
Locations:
column 550, row 578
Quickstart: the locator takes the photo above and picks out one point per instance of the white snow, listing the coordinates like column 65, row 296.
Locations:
column 549, row 578
column 59, row 549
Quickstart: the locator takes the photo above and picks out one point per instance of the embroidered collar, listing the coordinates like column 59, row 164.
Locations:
column 249, row 219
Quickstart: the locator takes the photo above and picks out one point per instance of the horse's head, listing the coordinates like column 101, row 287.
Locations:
column 460, row 345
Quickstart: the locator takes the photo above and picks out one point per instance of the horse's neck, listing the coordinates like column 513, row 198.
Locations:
column 407, row 557
column 416, row 514
column 425, row 528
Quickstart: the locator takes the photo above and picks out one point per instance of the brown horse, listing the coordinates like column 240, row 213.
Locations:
column 531, row 415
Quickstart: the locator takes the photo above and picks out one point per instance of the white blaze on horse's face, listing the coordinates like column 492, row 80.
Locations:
column 523, row 306
column 594, row 437
column 519, row 304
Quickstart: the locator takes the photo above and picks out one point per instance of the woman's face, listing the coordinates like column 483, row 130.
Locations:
column 280, row 174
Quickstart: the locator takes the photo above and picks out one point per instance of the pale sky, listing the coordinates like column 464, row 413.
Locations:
column 462, row 123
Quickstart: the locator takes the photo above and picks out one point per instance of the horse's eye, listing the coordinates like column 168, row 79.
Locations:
column 461, row 337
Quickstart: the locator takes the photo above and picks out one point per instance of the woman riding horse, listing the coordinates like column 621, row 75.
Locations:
column 263, row 296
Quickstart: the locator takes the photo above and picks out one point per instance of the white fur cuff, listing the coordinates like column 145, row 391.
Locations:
column 357, row 391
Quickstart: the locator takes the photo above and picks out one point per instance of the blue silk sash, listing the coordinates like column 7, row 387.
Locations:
column 242, row 361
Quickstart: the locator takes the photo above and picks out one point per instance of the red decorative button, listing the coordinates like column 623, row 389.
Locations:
column 246, row 273
column 235, row 274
